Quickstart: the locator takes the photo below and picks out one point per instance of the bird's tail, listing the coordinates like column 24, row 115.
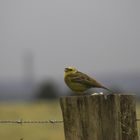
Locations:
column 109, row 90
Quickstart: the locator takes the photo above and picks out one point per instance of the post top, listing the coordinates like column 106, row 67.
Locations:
column 99, row 95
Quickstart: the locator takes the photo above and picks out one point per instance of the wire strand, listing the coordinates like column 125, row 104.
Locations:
column 20, row 121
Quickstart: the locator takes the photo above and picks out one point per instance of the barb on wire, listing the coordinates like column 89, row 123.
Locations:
column 137, row 119
column 20, row 121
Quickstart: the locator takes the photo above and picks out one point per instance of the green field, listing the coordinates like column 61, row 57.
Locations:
column 34, row 111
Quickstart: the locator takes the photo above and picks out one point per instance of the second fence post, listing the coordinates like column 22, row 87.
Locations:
column 99, row 118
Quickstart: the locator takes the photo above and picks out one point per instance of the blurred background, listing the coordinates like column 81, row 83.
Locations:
column 39, row 38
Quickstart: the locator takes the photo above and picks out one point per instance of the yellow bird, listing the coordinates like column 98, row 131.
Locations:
column 80, row 82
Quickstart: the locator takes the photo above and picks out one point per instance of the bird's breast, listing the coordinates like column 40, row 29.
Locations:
column 77, row 87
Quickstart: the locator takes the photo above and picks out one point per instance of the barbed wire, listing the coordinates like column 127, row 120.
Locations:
column 137, row 119
column 20, row 121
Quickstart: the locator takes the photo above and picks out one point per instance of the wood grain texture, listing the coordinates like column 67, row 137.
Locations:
column 97, row 118
column 128, row 118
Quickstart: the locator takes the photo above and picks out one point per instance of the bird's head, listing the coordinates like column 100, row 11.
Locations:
column 70, row 70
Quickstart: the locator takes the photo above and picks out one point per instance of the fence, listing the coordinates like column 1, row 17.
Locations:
column 99, row 118
column 20, row 121
column 95, row 118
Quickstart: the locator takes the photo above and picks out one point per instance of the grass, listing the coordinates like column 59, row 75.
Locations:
column 34, row 111
column 138, row 116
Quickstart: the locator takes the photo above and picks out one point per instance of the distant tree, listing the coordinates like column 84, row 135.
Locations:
column 47, row 90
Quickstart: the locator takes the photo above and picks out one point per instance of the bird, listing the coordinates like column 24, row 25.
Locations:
column 80, row 82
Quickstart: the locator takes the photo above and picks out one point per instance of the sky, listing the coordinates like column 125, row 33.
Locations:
column 94, row 36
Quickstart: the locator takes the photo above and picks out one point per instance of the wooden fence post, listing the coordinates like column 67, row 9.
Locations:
column 97, row 118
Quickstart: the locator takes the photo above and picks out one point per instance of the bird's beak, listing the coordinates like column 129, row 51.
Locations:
column 66, row 69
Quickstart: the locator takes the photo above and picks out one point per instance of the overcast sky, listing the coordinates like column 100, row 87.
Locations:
column 94, row 36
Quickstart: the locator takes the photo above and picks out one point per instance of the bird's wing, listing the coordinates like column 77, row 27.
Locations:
column 84, row 79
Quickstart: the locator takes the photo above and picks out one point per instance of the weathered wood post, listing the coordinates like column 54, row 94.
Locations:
column 99, row 118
